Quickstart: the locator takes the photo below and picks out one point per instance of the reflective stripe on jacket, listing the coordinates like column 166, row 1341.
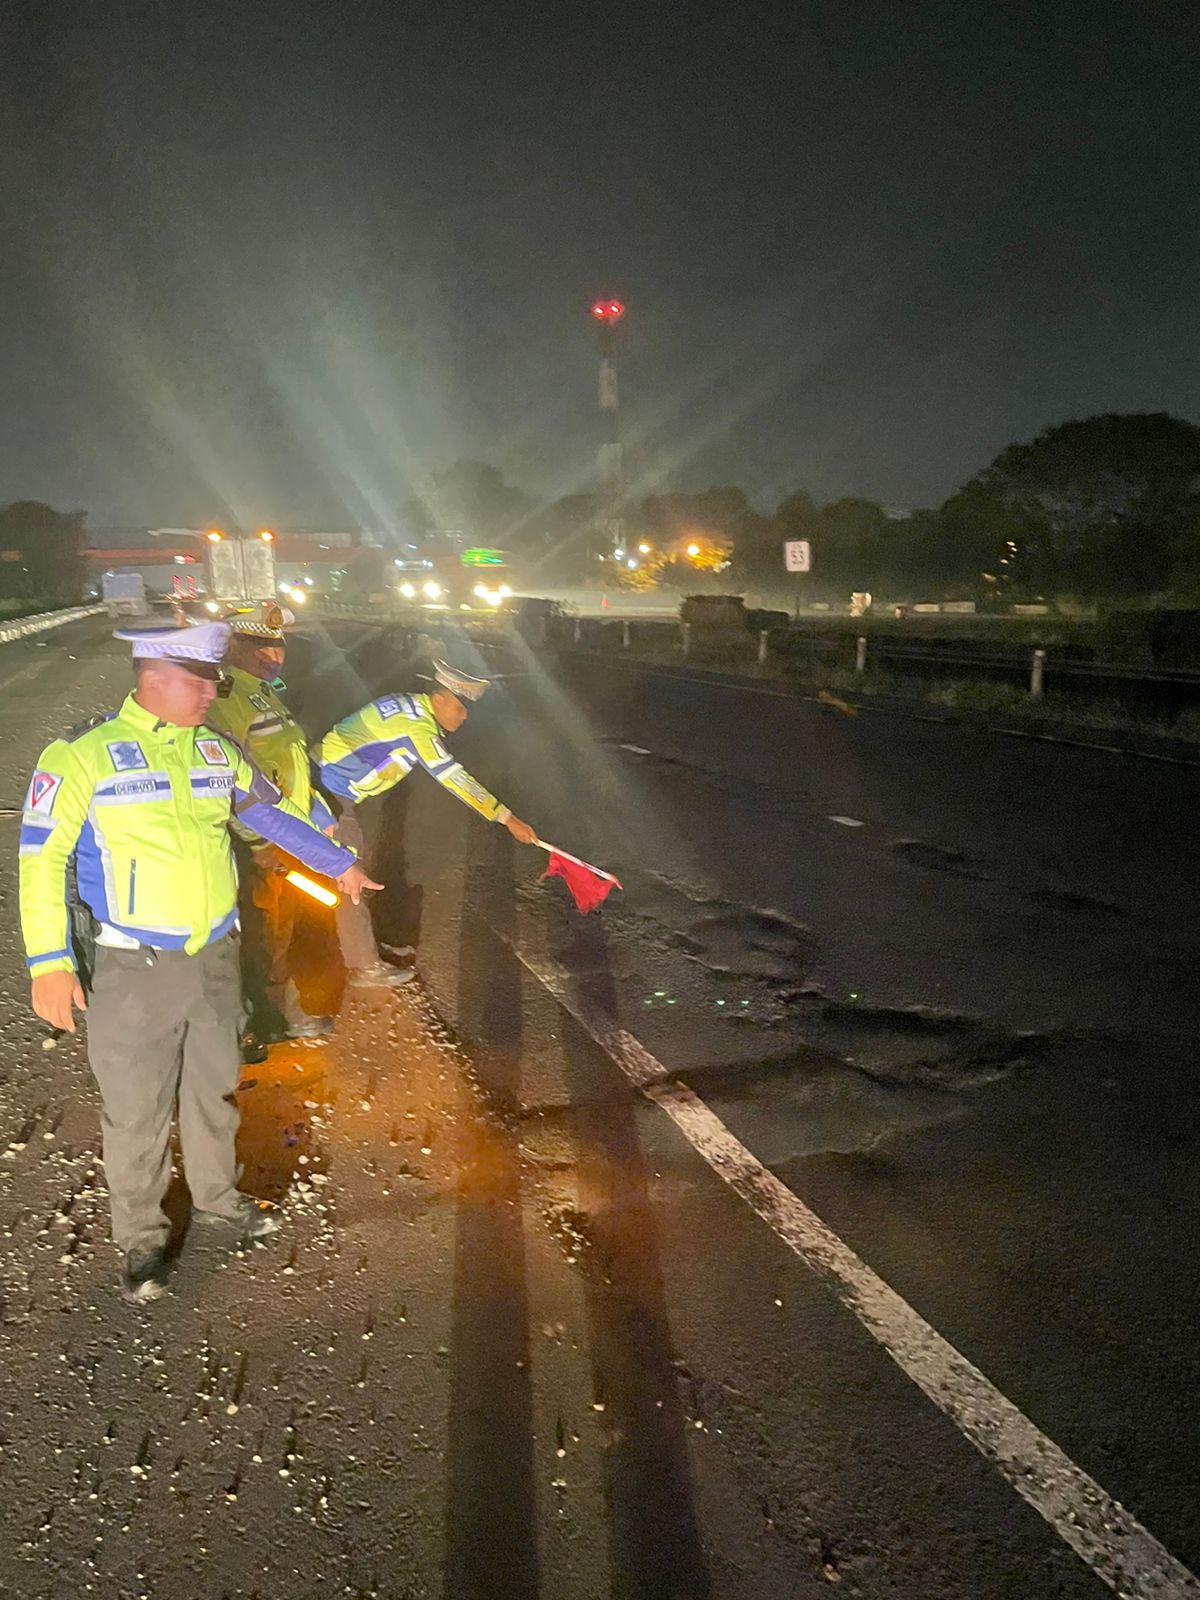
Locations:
column 144, row 809
column 371, row 750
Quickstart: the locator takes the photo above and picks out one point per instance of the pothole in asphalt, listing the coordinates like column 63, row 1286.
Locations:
column 727, row 939
column 913, row 1045
column 960, row 864
column 939, row 858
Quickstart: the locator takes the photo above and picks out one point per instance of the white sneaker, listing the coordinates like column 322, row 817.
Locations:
column 252, row 1218
column 379, row 975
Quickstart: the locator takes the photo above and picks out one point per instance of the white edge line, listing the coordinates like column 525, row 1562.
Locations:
column 1107, row 1538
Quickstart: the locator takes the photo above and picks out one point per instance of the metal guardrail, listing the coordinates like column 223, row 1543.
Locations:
column 415, row 616
column 783, row 646
column 22, row 627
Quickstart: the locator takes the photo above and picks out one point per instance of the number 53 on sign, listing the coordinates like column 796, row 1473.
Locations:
column 797, row 555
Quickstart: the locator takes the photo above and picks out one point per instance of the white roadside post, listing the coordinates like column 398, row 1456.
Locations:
column 685, row 630
column 762, row 647
column 860, row 655
column 578, row 630
column 625, row 636
column 1037, row 674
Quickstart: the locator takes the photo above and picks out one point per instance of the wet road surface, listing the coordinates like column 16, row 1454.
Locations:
column 517, row 1338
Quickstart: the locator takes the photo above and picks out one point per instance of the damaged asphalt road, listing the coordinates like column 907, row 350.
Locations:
column 517, row 1338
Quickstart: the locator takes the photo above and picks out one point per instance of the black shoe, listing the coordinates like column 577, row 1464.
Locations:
column 254, row 1050
column 250, row 1218
column 144, row 1275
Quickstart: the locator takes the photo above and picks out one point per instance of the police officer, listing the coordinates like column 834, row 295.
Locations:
column 140, row 802
column 250, row 707
column 368, row 753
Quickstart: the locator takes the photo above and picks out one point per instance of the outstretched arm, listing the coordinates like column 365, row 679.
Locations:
column 452, row 775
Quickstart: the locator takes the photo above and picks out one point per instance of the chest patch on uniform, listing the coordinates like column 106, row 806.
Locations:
column 126, row 756
column 43, row 787
column 260, row 702
column 135, row 786
column 212, row 752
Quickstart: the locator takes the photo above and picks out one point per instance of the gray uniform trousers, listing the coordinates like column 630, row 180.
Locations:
column 162, row 1030
column 355, row 930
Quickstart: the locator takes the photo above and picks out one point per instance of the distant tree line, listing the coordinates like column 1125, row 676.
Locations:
column 41, row 552
column 1107, row 508
column 1104, row 508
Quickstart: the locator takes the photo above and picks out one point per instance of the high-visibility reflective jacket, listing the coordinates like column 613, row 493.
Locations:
column 144, row 808
column 371, row 750
column 254, row 713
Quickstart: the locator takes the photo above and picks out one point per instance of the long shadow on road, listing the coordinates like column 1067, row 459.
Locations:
column 654, row 1536
column 491, row 1510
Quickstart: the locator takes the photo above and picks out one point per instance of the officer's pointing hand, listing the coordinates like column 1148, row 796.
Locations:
column 521, row 831
column 353, row 881
column 53, row 994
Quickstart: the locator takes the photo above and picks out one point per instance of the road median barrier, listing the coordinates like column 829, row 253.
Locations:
column 22, row 627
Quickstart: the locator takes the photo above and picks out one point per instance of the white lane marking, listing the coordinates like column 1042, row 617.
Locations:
column 634, row 749
column 848, row 822
column 1117, row 1548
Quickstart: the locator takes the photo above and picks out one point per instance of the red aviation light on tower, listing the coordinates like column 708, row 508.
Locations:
column 608, row 311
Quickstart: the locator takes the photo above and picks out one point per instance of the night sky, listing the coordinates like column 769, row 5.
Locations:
column 279, row 261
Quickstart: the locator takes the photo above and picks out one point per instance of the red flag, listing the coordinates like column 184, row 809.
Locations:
column 589, row 886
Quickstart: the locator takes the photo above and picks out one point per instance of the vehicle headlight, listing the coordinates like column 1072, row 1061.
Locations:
column 407, row 590
column 432, row 590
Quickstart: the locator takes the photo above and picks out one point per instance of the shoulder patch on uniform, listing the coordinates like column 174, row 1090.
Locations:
column 259, row 702
column 226, row 738
column 127, row 755
column 389, row 706
column 96, row 720
column 212, row 752
column 43, row 788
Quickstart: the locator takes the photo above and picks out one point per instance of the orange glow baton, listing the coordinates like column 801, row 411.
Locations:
column 316, row 891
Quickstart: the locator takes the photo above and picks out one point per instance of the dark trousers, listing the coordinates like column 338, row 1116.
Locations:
column 162, row 1033
column 267, row 910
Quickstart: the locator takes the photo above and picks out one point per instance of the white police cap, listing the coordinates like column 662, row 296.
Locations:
column 459, row 683
column 204, row 642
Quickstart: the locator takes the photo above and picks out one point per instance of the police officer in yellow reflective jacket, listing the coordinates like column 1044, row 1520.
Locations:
column 139, row 804
column 250, row 707
column 368, row 753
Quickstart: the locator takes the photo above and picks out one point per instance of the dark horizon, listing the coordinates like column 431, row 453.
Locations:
column 270, row 265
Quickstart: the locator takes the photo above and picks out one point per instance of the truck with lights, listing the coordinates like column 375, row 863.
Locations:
column 241, row 569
